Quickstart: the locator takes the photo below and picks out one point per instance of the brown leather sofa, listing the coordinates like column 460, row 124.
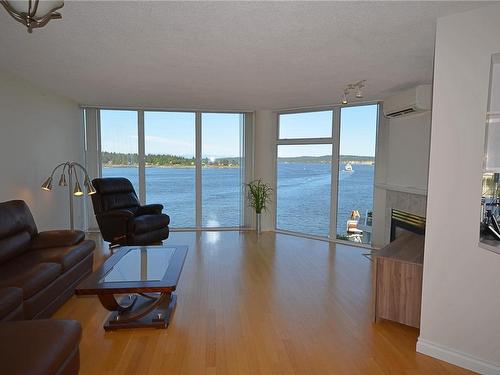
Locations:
column 46, row 266
column 29, row 347
column 38, row 273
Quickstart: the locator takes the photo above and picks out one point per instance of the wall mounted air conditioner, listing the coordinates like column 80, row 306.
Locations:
column 415, row 100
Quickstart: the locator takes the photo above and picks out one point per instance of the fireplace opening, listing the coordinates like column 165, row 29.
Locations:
column 402, row 222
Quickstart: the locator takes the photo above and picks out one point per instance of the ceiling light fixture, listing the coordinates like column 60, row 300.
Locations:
column 33, row 13
column 344, row 97
column 357, row 87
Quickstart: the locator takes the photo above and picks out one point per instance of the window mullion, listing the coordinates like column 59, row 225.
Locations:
column 335, row 173
column 141, row 147
column 198, row 174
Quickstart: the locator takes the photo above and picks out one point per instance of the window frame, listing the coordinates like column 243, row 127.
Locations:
column 246, row 122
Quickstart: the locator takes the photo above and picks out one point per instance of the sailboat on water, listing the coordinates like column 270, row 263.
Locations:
column 348, row 167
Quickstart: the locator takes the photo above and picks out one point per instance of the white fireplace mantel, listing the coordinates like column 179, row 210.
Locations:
column 403, row 189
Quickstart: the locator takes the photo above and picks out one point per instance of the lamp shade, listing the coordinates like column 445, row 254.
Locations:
column 62, row 180
column 47, row 185
column 78, row 189
column 90, row 188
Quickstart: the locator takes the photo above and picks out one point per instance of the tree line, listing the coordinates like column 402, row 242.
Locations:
column 161, row 160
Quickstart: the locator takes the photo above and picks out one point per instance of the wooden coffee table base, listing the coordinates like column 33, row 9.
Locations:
column 139, row 310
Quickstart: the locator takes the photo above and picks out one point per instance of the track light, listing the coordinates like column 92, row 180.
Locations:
column 351, row 87
column 344, row 97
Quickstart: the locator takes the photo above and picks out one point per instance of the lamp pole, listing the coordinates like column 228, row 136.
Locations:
column 70, row 179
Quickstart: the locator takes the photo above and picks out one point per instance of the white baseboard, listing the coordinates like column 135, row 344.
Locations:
column 457, row 358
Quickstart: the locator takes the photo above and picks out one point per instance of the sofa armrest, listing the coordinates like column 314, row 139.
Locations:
column 57, row 238
column 11, row 304
column 150, row 209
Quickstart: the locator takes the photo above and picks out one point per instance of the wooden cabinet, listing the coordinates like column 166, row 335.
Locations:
column 398, row 280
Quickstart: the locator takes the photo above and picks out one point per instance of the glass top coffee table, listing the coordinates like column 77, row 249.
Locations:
column 148, row 275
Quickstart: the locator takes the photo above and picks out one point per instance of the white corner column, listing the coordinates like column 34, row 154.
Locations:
column 266, row 123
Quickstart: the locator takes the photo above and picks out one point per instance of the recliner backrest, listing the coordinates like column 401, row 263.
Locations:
column 113, row 193
column 17, row 229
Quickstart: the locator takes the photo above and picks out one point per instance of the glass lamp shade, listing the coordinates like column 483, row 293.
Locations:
column 44, row 7
column 47, row 185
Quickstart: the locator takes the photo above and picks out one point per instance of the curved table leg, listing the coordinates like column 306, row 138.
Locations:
column 144, row 311
column 110, row 303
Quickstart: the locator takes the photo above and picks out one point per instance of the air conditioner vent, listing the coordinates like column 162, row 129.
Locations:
column 400, row 113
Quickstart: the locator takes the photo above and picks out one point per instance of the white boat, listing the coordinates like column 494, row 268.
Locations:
column 348, row 167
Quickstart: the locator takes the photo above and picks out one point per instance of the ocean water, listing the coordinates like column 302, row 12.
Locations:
column 303, row 195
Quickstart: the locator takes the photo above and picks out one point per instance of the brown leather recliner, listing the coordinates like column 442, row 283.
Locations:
column 45, row 266
column 121, row 218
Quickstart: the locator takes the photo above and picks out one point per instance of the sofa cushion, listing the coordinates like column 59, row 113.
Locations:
column 56, row 238
column 11, row 303
column 40, row 347
column 28, row 275
column 17, row 227
column 67, row 256
column 148, row 223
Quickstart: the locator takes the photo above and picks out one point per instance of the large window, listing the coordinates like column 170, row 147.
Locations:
column 191, row 162
column 119, row 147
column 304, row 188
column 169, row 139
column 358, row 133
column 325, row 172
column 304, row 170
column 221, row 171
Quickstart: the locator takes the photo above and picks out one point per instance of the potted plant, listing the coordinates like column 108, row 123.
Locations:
column 259, row 197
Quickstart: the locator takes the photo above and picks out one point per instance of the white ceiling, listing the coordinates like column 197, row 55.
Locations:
column 222, row 55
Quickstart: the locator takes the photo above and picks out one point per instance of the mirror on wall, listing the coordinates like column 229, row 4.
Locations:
column 490, row 195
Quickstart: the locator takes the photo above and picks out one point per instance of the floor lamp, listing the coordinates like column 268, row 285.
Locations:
column 71, row 169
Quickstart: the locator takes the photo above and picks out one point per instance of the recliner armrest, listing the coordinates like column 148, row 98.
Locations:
column 57, row 238
column 115, row 224
column 149, row 209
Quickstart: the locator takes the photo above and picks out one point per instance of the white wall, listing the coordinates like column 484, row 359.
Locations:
column 37, row 131
column 266, row 123
column 460, row 319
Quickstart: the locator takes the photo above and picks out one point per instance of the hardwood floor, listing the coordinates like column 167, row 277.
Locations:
column 277, row 304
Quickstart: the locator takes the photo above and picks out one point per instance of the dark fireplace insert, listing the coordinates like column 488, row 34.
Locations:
column 402, row 221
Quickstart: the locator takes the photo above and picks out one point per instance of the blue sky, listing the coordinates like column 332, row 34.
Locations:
column 174, row 132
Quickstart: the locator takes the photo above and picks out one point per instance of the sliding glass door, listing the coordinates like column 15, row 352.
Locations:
column 190, row 162
column 170, row 144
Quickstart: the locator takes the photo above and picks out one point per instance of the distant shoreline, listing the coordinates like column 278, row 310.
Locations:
column 180, row 166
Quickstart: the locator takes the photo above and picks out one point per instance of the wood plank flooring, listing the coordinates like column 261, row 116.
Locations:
column 274, row 304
